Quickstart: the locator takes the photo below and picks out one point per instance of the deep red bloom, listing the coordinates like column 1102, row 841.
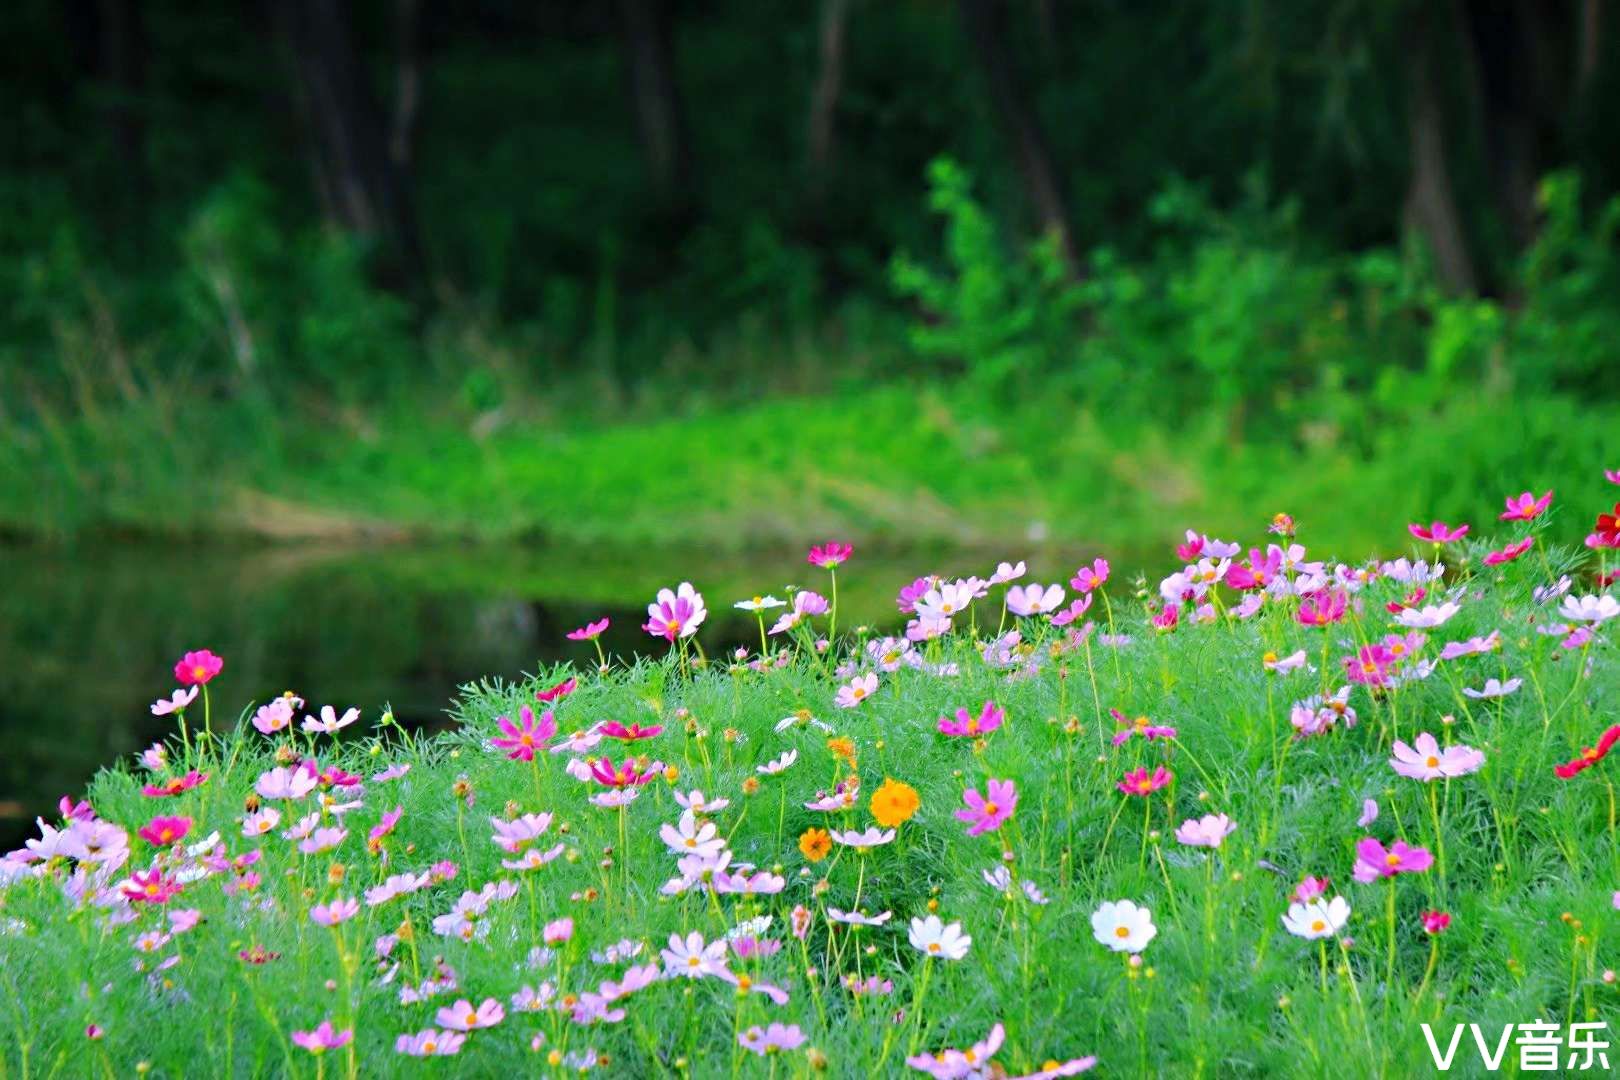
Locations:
column 1590, row 756
column 1608, row 527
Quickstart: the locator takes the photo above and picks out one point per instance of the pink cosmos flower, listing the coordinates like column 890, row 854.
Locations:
column 1474, row 646
column 856, row 691
column 149, row 887
column 384, row 827
column 1140, row 782
column 1437, row 532
column 1369, row 813
column 1429, row 762
column 1370, row 666
column 830, row 555
column 274, row 716
column 1509, row 553
column 1374, row 861
column 1437, row 922
column 1167, row 619
column 989, row 718
column 174, row 785
column 1207, row 831
column 677, row 614
column 560, row 690
column 430, row 1043
column 330, row 723
column 558, row 931
column 953, row 1064
column 590, row 631
column 1142, row 726
column 768, row 1040
column 624, row 775
column 1034, row 599
column 1282, row 665
column 163, row 831
column 987, row 812
column 1323, row 607
column 1006, row 572
column 339, row 910
column 690, row 957
column 1310, row 888
column 174, row 702
column 1526, row 507
column 323, row 1038
column 629, row 732
column 520, row 740
column 1090, row 577
column 1258, row 572
column 1073, row 612
column 197, row 668
column 463, row 1017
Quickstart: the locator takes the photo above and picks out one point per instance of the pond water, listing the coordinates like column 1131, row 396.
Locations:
column 89, row 635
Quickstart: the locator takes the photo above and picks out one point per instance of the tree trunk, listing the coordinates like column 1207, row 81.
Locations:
column 985, row 22
column 1503, row 35
column 824, row 97
column 1590, row 46
column 649, row 39
column 362, row 187
column 407, row 83
column 1431, row 206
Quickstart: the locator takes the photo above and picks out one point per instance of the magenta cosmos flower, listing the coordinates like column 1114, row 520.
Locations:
column 557, row 691
column 1141, row 782
column 989, row 811
column 196, row 668
column 989, row 718
column 520, row 740
column 830, row 554
column 1509, row 553
column 1437, row 532
column 628, row 732
column 163, row 831
column 323, row 1038
column 1374, row 861
column 1427, row 761
column 174, row 785
column 1090, row 577
column 1526, row 507
column 590, row 631
column 626, row 774
column 1142, row 726
column 1323, row 607
column 676, row 614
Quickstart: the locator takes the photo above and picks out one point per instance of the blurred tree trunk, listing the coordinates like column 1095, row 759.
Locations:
column 1431, row 205
column 648, row 27
column 1506, row 37
column 407, row 83
column 1589, row 46
column 822, row 133
column 362, row 187
column 985, row 23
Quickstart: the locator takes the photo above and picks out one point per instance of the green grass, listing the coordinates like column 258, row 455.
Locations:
column 1526, row 864
column 900, row 463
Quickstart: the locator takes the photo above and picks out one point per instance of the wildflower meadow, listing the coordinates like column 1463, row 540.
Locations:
column 1274, row 814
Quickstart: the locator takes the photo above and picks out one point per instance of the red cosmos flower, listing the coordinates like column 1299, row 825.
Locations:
column 196, row 668
column 561, row 690
column 1590, row 756
column 1322, row 607
column 1526, row 507
column 150, row 887
column 624, row 775
column 163, row 831
column 1509, row 553
column 1608, row 527
column 174, row 785
column 830, row 555
column 615, row 730
column 1437, row 532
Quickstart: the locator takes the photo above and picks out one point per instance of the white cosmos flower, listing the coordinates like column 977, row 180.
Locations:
column 1592, row 609
column 693, row 837
column 931, row 937
column 760, row 603
column 1123, row 926
column 1317, row 919
column 1426, row 617
column 1494, row 688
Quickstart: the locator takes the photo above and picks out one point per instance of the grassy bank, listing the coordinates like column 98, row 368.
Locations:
column 396, row 887
column 897, row 462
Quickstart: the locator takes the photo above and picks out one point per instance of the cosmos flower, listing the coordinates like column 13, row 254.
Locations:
column 1374, row 861
column 856, row 691
column 590, row 631
column 1494, row 688
column 1283, row 665
column 627, row 732
column 462, row 1016
column 626, row 774
column 323, row 1038
column 691, row 958
column 1438, row 922
column 174, row 785
column 779, row 764
column 1090, row 577
column 520, row 740
column 1323, row 607
column 1428, row 617
column 1437, row 532
column 1141, row 782
column 771, row 1039
column 557, row 691
column 869, row 838
column 197, row 668
column 1526, row 507
column 430, row 1042
column 1427, row 761
column 1034, row 599
column 987, row 812
column 933, row 937
column 1590, row 609
column 164, row 831
column 1207, row 831
column 283, row 782
column 830, row 555
column 175, row 702
column 676, row 615
column 1317, row 918
column 1510, row 552
column 1123, row 926
column 330, row 723
column 815, row 844
column 692, row 837
column 894, row 803
column 337, row 911
column 1006, row 572
column 988, row 719
column 953, row 1064
column 1589, row 756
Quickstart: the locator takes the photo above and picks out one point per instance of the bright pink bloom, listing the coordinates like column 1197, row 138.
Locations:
column 1090, row 577
column 1437, row 922
column 1370, row 666
column 1437, row 532
column 1526, row 507
column 1141, row 782
column 1258, row 572
column 1310, row 888
column 987, row 812
column 150, row 887
column 629, row 733
column 1374, row 861
column 1509, row 553
column 1073, row 612
column 624, row 775
column 174, row 785
column 676, row 614
column 1140, row 726
column 910, row 594
column 590, row 631
column 561, row 690
column 463, row 1017
column 1323, row 607
column 989, row 718
column 196, row 668
column 1167, row 619
column 521, row 740
column 163, row 831
column 830, row 555
column 558, row 931
column 323, row 1038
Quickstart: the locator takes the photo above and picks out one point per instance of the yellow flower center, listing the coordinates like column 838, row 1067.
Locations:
column 1432, row 762
column 1317, row 926
column 991, row 809
column 1122, row 932
column 1392, row 859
